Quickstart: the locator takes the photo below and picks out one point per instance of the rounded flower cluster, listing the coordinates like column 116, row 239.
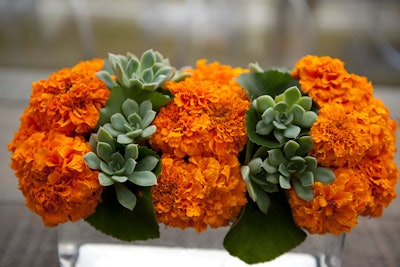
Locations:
column 200, row 133
column 48, row 149
column 353, row 136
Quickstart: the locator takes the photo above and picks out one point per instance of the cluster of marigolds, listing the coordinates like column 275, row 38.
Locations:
column 199, row 136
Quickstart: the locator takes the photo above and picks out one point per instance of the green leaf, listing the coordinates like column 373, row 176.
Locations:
column 131, row 151
column 309, row 118
column 271, row 82
column 264, row 102
column 292, row 131
column 143, row 178
column 306, row 178
column 104, row 180
column 276, row 157
column 125, row 197
column 291, row 95
column 263, row 201
column 290, row 149
column 251, row 122
column 92, row 160
column 298, row 113
column 324, row 175
column 305, row 102
column 114, row 220
column 259, row 237
column 124, row 139
column 147, row 132
column 305, row 193
column 104, row 151
column 130, row 106
column 284, row 182
column 306, row 144
column 147, row 163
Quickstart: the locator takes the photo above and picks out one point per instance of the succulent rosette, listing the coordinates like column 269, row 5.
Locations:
column 129, row 143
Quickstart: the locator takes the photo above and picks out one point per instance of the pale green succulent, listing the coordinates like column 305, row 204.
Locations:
column 119, row 164
column 291, row 166
column 149, row 72
column 134, row 123
column 283, row 168
column 286, row 116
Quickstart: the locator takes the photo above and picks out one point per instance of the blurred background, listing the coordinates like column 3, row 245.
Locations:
column 38, row 37
column 50, row 34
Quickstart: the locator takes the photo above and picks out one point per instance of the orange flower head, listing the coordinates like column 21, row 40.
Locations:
column 335, row 207
column 326, row 81
column 206, row 116
column 198, row 192
column 54, row 179
column 69, row 101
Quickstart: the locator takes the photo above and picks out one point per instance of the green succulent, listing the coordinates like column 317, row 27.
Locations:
column 119, row 164
column 286, row 116
column 149, row 72
column 271, row 169
column 290, row 165
column 133, row 123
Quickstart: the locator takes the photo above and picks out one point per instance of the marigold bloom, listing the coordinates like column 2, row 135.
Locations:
column 205, row 117
column 335, row 207
column 54, row 179
column 327, row 81
column 340, row 138
column 381, row 173
column 199, row 192
column 70, row 99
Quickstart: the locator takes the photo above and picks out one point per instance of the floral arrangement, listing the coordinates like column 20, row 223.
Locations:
column 130, row 143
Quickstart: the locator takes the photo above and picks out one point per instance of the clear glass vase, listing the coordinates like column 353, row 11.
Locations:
column 81, row 245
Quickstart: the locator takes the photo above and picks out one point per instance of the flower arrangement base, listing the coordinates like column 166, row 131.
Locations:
column 81, row 245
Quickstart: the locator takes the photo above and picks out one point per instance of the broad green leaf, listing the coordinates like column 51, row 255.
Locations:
column 271, row 82
column 259, row 237
column 114, row 220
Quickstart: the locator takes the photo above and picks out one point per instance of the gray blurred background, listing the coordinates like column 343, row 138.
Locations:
column 41, row 36
column 52, row 34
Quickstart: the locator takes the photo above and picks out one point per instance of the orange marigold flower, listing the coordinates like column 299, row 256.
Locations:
column 199, row 192
column 206, row 116
column 326, row 81
column 54, row 179
column 381, row 173
column 342, row 138
column 335, row 207
column 70, row 99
